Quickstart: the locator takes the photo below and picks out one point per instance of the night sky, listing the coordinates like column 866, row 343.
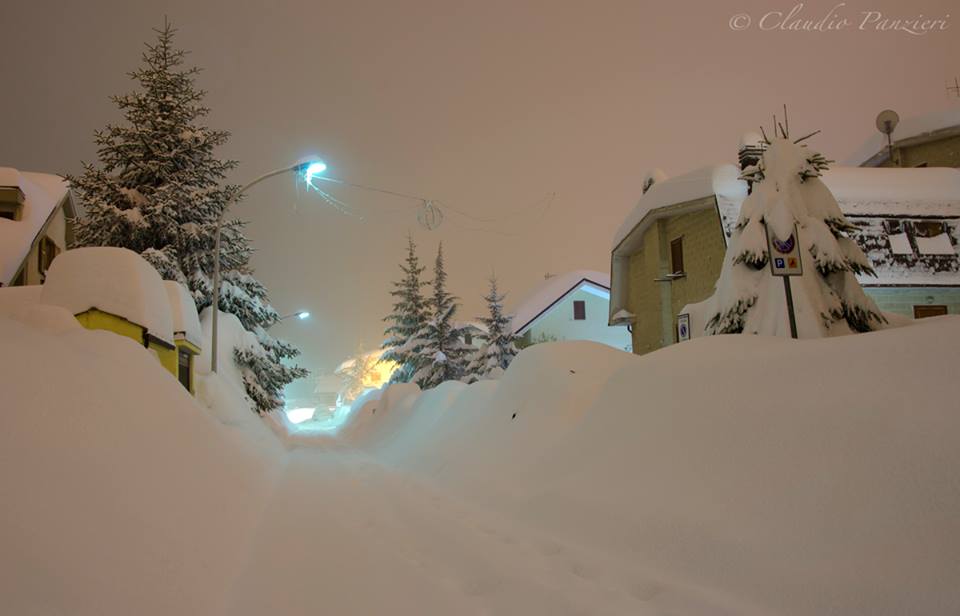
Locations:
column 486, row 106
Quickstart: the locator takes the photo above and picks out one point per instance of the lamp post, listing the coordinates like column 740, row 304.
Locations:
column 309, row 168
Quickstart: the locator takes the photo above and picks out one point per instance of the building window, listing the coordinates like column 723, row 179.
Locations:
column 184, row 373
column 676, row 256
column 931, row 238
column 928, row 228
column 468, row 338
column 48, row 251
column 922, row 312
column 579, row 310
column 898, row 236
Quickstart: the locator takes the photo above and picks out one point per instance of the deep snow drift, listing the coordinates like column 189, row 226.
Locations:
column 733, row 474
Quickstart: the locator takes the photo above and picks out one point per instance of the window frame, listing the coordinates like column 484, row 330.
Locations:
column 676, row 250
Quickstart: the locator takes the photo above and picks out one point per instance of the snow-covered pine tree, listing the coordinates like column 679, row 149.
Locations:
column 498, row 344
column 787, row 195
column 409, row 316
column 158, row 191
column 439, row 347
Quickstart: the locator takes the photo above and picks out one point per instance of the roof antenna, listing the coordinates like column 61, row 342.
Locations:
column 786, row 123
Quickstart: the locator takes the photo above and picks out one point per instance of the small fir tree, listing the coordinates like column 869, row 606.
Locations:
column 791, row 202
column 438, row 346
column 159, row 190
column 409, row 316
column 498, row 344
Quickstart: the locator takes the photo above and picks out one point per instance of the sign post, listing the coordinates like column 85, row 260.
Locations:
column 785, row 262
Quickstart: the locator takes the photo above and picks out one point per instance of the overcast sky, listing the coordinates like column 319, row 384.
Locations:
column 488, row 106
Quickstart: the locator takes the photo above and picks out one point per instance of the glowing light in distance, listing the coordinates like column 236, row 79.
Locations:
column 300, row 415
column 303, row 314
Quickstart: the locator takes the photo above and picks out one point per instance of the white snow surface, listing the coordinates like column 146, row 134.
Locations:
column 915, row 126
column 42, row 193
column 230, row 335
column 551, row 290
column 585, row 481
column 113, row 280
column 183, row 311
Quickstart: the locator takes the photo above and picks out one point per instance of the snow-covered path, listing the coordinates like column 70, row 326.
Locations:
column 614, row 489
column 345, row 532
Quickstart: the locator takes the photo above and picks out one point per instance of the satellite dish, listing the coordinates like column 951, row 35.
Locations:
column 887, row 120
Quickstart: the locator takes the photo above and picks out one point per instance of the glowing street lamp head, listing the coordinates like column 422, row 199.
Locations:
column 313, row 170
column 303, row 314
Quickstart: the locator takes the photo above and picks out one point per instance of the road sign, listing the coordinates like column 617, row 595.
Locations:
column 683, row 327
column 785, row 262
column 784, row 254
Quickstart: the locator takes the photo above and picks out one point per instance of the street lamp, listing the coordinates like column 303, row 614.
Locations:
column 303, row 314
column 309, row 169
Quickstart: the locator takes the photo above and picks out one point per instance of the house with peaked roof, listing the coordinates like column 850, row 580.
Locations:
column 36, row 224
column 667, row 255
column 570, row 306
column 929, row 140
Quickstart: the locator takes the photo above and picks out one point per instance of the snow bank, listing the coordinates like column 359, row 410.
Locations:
column 757, row 474
column 230, row 335
column 120, row 494
column 183, row 311
column 15, row 298
column 113, row 280
column 727, row 475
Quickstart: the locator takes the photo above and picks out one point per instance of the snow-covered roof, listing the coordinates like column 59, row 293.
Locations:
column 892, row 191
column 183, row 312
column 114, row 280
column 42, row 192
column 721, row 180
column 542, row 297
column 920, row 128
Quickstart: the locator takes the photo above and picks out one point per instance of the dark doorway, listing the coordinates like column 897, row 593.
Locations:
column 922, row 312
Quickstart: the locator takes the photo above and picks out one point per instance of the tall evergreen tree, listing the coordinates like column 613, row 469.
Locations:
column 159, row 190
column 439, row 346
column 409, row 316
column 498, row 344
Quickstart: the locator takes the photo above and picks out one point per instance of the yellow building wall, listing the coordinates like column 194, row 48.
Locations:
column 643, row 297
column 167, row 356
column 97, row 319
column 703, row 252
column 941, row 153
